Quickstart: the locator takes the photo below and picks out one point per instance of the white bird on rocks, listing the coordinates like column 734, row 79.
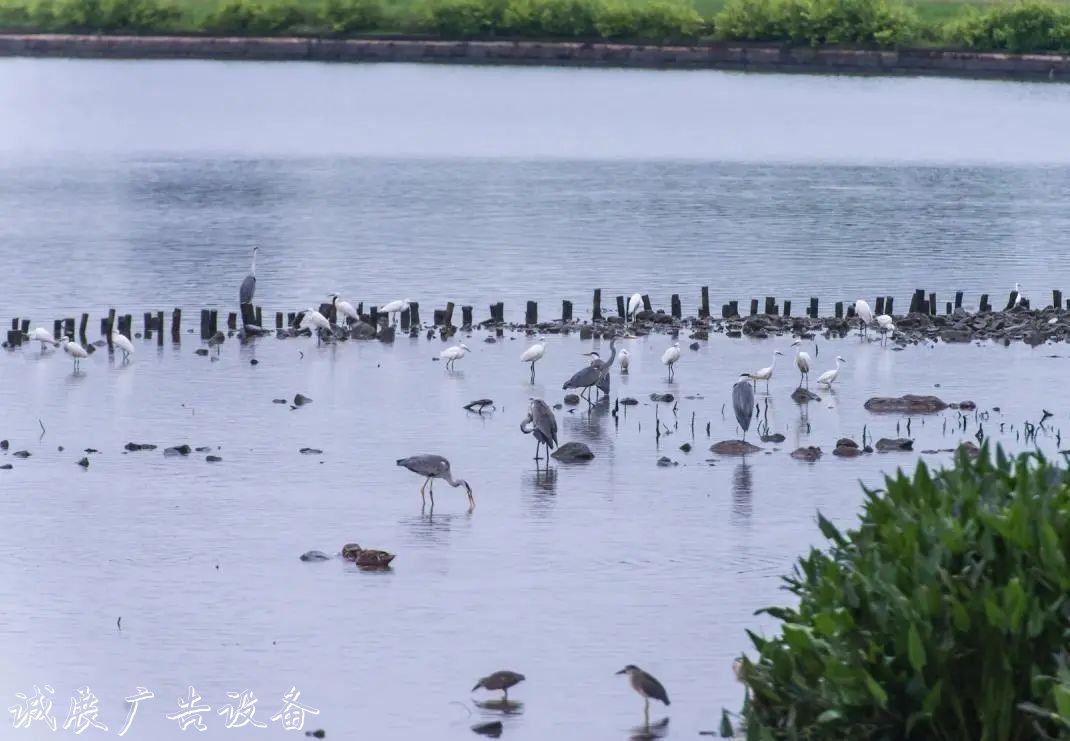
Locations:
column 533, row 354
column 394, row 307
column 1017, row 296
column 802, row 362
column 119, row 340
column 42, row 335
column 316, row 321
column 670, row 357
column 885, row 325
column 452, row 354
column 73, row 349
column 343, row 308
column 864, row 313
column 635, row 304
column 828, row 377
column 765, row 374
column 625, row 359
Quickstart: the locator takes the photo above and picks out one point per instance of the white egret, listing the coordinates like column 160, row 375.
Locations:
column 394, row 307
column 42, row 335
column 625, row 359
column 864, row 313
column 343, row 308
column 452, row 354
column 670, row 356
column 533, row 354
column 1017, row 296
column 828, row 377
column 635, row 304
column 119, row 340
column 802, row 362
column 73, row 349
column 765, row 374
column 315, row 321
column 885, row 325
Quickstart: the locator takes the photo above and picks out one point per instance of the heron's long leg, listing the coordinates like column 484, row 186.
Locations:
column 505, row 695
column 423, row 497
column 646, row 711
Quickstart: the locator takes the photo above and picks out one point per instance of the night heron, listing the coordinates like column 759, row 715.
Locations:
column 743, row 403
column 119, row 340
column 216, row 340
column 502, row 680
column 670, row 357
column 765, row 374
column 343, row 308
column 73, row 349
column 802, row 362
column 828, row 377
column 864, row 313
column 394, row 307
column 435, row 467
column 533, row 354
column 248, row 286
column 42, row 335
column 452, row 354
column 541, row 423
column 647, row 686
column 635, row 304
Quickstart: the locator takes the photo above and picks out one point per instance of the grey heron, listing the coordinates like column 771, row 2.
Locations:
column 802, row 362
column 670, row 358
column 42, row 335
column 647, row 686
column 533, row 354
column 119, row 340
column 394, row 307
column 827, row 378
column 435, row 467
column 764, row 374
column 502, row 680
column 864, row 314
column 452, row 354
column 343, row 309
column 743, row 402
column 542, row 424
column 73, row 349
column 248, row 286
column 595, row 374
column 216, row 340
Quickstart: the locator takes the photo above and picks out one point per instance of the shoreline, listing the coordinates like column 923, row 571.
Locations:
column 727, row 56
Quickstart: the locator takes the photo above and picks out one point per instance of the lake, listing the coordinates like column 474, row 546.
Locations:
column 142, row 186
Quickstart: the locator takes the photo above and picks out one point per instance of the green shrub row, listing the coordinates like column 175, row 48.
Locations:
column 945, row 615
column 1026, row 25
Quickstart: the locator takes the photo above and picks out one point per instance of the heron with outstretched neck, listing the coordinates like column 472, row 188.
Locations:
column 433, row 467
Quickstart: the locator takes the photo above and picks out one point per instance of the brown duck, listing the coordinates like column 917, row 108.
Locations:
column 366, row 557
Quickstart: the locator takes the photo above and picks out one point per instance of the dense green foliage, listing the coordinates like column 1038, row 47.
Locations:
column 945, row 615
column 1026, row 25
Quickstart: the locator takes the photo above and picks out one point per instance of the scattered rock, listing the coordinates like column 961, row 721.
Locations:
column 278, row 401
column 810, row 453
column 6, row 467
column 694, row 346
column 386, row 334
column 254, row 361
column 21, row 454
column 628, row 401
column 847, row 451
column 492, row 728
column 362, row 331
column 755, row 325
column 318, row 733
column 686, row 447
column 733, row 333
column 300, row 400
column 968, row 406
column 665, row 461
column 310, row 451
column 133, row 447
column 204, row 449
column 213, row 458
column 662, row 397
column 177, row 450
column 490, row 340
column 801, row 395
column 700, row 334
column 734, row 447
column 202, row 351
column 846, row 442
column 955, row 335
column 572, row 399
column 899, row 443
column 4, row 444
column 573, row 452
column 558, row 405
column 315, row 556
column 90, row 450
column 776, row 437
column 84, row 463
column 906, row 404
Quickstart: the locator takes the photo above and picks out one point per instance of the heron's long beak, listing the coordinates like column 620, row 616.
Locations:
column 622, row 671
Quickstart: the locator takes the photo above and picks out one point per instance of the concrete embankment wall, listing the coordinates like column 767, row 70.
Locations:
column 726, row 56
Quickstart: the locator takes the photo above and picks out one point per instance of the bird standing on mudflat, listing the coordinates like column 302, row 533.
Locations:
column 119, row 340
column 435, row 467
column 502, row 680
column 452, row 354
column 647, row 686
column 827, row 378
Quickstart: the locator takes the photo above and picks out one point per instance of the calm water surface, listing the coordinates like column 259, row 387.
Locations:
column 142, row 186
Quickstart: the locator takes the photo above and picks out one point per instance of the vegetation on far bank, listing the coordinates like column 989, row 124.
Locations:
column 944, row 615
column 1021, row 26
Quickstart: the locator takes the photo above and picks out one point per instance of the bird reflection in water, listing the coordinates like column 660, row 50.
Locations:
column 586, row 422
column 742, row 492
column 660, row 729
column 500, row 706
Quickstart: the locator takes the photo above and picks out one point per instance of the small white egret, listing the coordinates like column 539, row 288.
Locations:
column 828, row 377
column 42, row 335
column 864, row 314
column 625, row 359
column 1017, row 296
column 886, row 326
column 118, row 339
column 635, row 304
column 394, row 307
column 669, row 358
column 533, row 354
column 802, row 362
column 452, row 354
column 73, row 349
column 343, row 308
column 765, row 373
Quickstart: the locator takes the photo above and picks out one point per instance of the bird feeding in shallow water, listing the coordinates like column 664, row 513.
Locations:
column 394, row 307
column 501, row 680
column 885, row 326
column 764, row 374
column 647, row 686
column 635, row 304
column 743, row 402
column 216, row 340
column 73, row 349
column 120, row 341
column 669, row 358
column 435, row 467
column 42, row 335
column 533, row 354
column 248, row 286
column 343, row 308
column 366, row 557
column 542, row 424
column 827, row 378
column 625, row 361
column 452, row 354
column 802, row 362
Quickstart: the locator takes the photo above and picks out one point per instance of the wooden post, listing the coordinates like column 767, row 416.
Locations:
column 291, row 318
column 83, row 325
column 880, row 305
column 958, row 299
column 176, row 325
column 1010, row 300
column 110, row 327
column 259, row 317
column 159, row 328
column 948, row 308
column 918, row 301
column 1057, row 299
column 248, row 315
column 531, row 316
column 232, row 320
column 704, row 303
column 851, row 310
column 646, row 303
column 621, row 308
column 373, row 316
column 753, row 307
column 466, row 316
column 984, row 303
column 725, row 309
column 733, row 308
column 213, row 322
column 566, row 311
column 205, row 334
column 770, row 305
column 787, row 308
column 596, row 309
column 14, row 338
column 888, row 301
column 414, row 313
column 280, row 320
column 449, row 314
column 68, row 327
column 439, row 316
column 146, row 320
column 839, row 309
column 405, row 319
column 813, row 307
column 328, row 311
column 499, row 310
column 674, row 302
column 932, row 304
column 57, row 328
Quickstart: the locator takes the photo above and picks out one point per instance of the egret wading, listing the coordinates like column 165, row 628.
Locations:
column 533, row 354
column 743, row 402
column 315, row 321
column 635, row 305
column 42, row 335
column 885, row 326
column 73, row 349
column 864, row 314
column 541, row 424
column 625, row 361
column 764, row 374
column 394, row 307
column 435, row 467
column 827, row 378
column 802, row 362
column 119, row 340
column 647, row 686
column 343, row 309
column 502, row 680
column 248, row 286
column 452, row 354
column 670, row 358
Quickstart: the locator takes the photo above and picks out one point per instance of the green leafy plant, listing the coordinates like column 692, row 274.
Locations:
column 944, row 615
column 349, row 16
column 819, row 22
column 263, row 16
column 1021, row 27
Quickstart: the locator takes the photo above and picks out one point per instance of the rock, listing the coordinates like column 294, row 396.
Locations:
column 300, row 400
column 955, row 335
column 755, row 325
column 628, row 401
column 362, row 331
column 278, row 401
column 6, row 467
column 847, row 451
column 310, row 451
column 968, row 406
column 4, row 444
column 478, row 404
column 971, row 450
column 662, row 397
column 204, row 449
column 254, row 361
column 586, row 333
column 202, row 351
column 809, row 453
column 177, row 450
column 846, row 442
column 700, row 334
column 899, row 443
column 492, row 728
column 694, row 346
column 90, row 450
column 665, row 461
column 776, row 437
column 572, row 452
column 572, row 399
column 686, row 447
column 733, row 333
column 213, row 458
column 734, row 447
column 489, row 340
column 315, row 556
column 318, row 733
column 906, row 404
column 84, row 463
column 386, row 334
column 558, row 405
column 133, row 447
column 21, row 454
column 801, row 395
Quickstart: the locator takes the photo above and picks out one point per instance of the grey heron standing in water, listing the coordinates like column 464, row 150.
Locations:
column 595, row 374
column 248, row 286
column 542, row 424
column 435, row 467
column 647, row 686
column 743, row 402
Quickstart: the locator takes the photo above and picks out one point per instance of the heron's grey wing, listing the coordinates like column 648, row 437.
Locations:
column 248, row 288
column 545, row 421
column 603, row 382
column 427, row 465
column 743, row 403
column 582, row 378
column 653, row 688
